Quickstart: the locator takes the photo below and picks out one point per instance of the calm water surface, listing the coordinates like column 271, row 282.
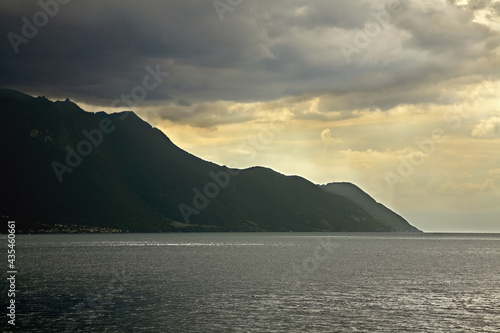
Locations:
column 258, row 282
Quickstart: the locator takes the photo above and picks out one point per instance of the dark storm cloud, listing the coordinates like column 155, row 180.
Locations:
column 96, row 51
column 446, row 30
column 261, row 51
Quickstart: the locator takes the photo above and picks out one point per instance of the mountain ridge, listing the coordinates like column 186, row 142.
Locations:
column 123, row 174
column 369, row 204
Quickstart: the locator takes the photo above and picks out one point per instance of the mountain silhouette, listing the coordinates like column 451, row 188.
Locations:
column 376, row 210
column 65, row 170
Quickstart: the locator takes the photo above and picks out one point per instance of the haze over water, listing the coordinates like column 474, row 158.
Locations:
column 259, row 282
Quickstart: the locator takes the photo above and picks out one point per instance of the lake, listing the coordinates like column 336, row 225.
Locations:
column 257, row 282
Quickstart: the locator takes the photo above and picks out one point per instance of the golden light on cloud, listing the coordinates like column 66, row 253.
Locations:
column 363, row 146
column 418, row 100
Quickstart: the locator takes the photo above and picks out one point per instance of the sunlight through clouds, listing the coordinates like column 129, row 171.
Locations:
column 418, row 99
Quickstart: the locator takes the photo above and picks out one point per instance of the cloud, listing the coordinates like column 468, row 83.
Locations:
column 220, row 113
column 494, row 173
column 487, row 128
column 182, row 102
column 381, row 160
column 328, row 139
column 468, row 188
column 326, row 135
column 262, row 51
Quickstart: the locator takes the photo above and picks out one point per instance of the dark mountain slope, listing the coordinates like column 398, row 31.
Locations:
column 134, row 178
column 376, row 210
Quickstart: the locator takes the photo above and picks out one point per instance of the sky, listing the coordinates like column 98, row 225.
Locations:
column 398, row 97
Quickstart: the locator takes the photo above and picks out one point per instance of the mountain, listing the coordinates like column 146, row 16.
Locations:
column 376, row 210
column 66, row 170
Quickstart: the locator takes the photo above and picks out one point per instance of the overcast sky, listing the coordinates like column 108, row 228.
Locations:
column 398, row 97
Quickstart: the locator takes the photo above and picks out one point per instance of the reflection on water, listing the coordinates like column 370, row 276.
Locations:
column 261, row 282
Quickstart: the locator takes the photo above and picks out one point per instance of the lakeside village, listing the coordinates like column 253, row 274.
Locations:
column 43, row 228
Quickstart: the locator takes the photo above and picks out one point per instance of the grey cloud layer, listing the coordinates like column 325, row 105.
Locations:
column 262, row 50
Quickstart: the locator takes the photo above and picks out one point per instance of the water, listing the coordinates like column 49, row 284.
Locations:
column 257, row 282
